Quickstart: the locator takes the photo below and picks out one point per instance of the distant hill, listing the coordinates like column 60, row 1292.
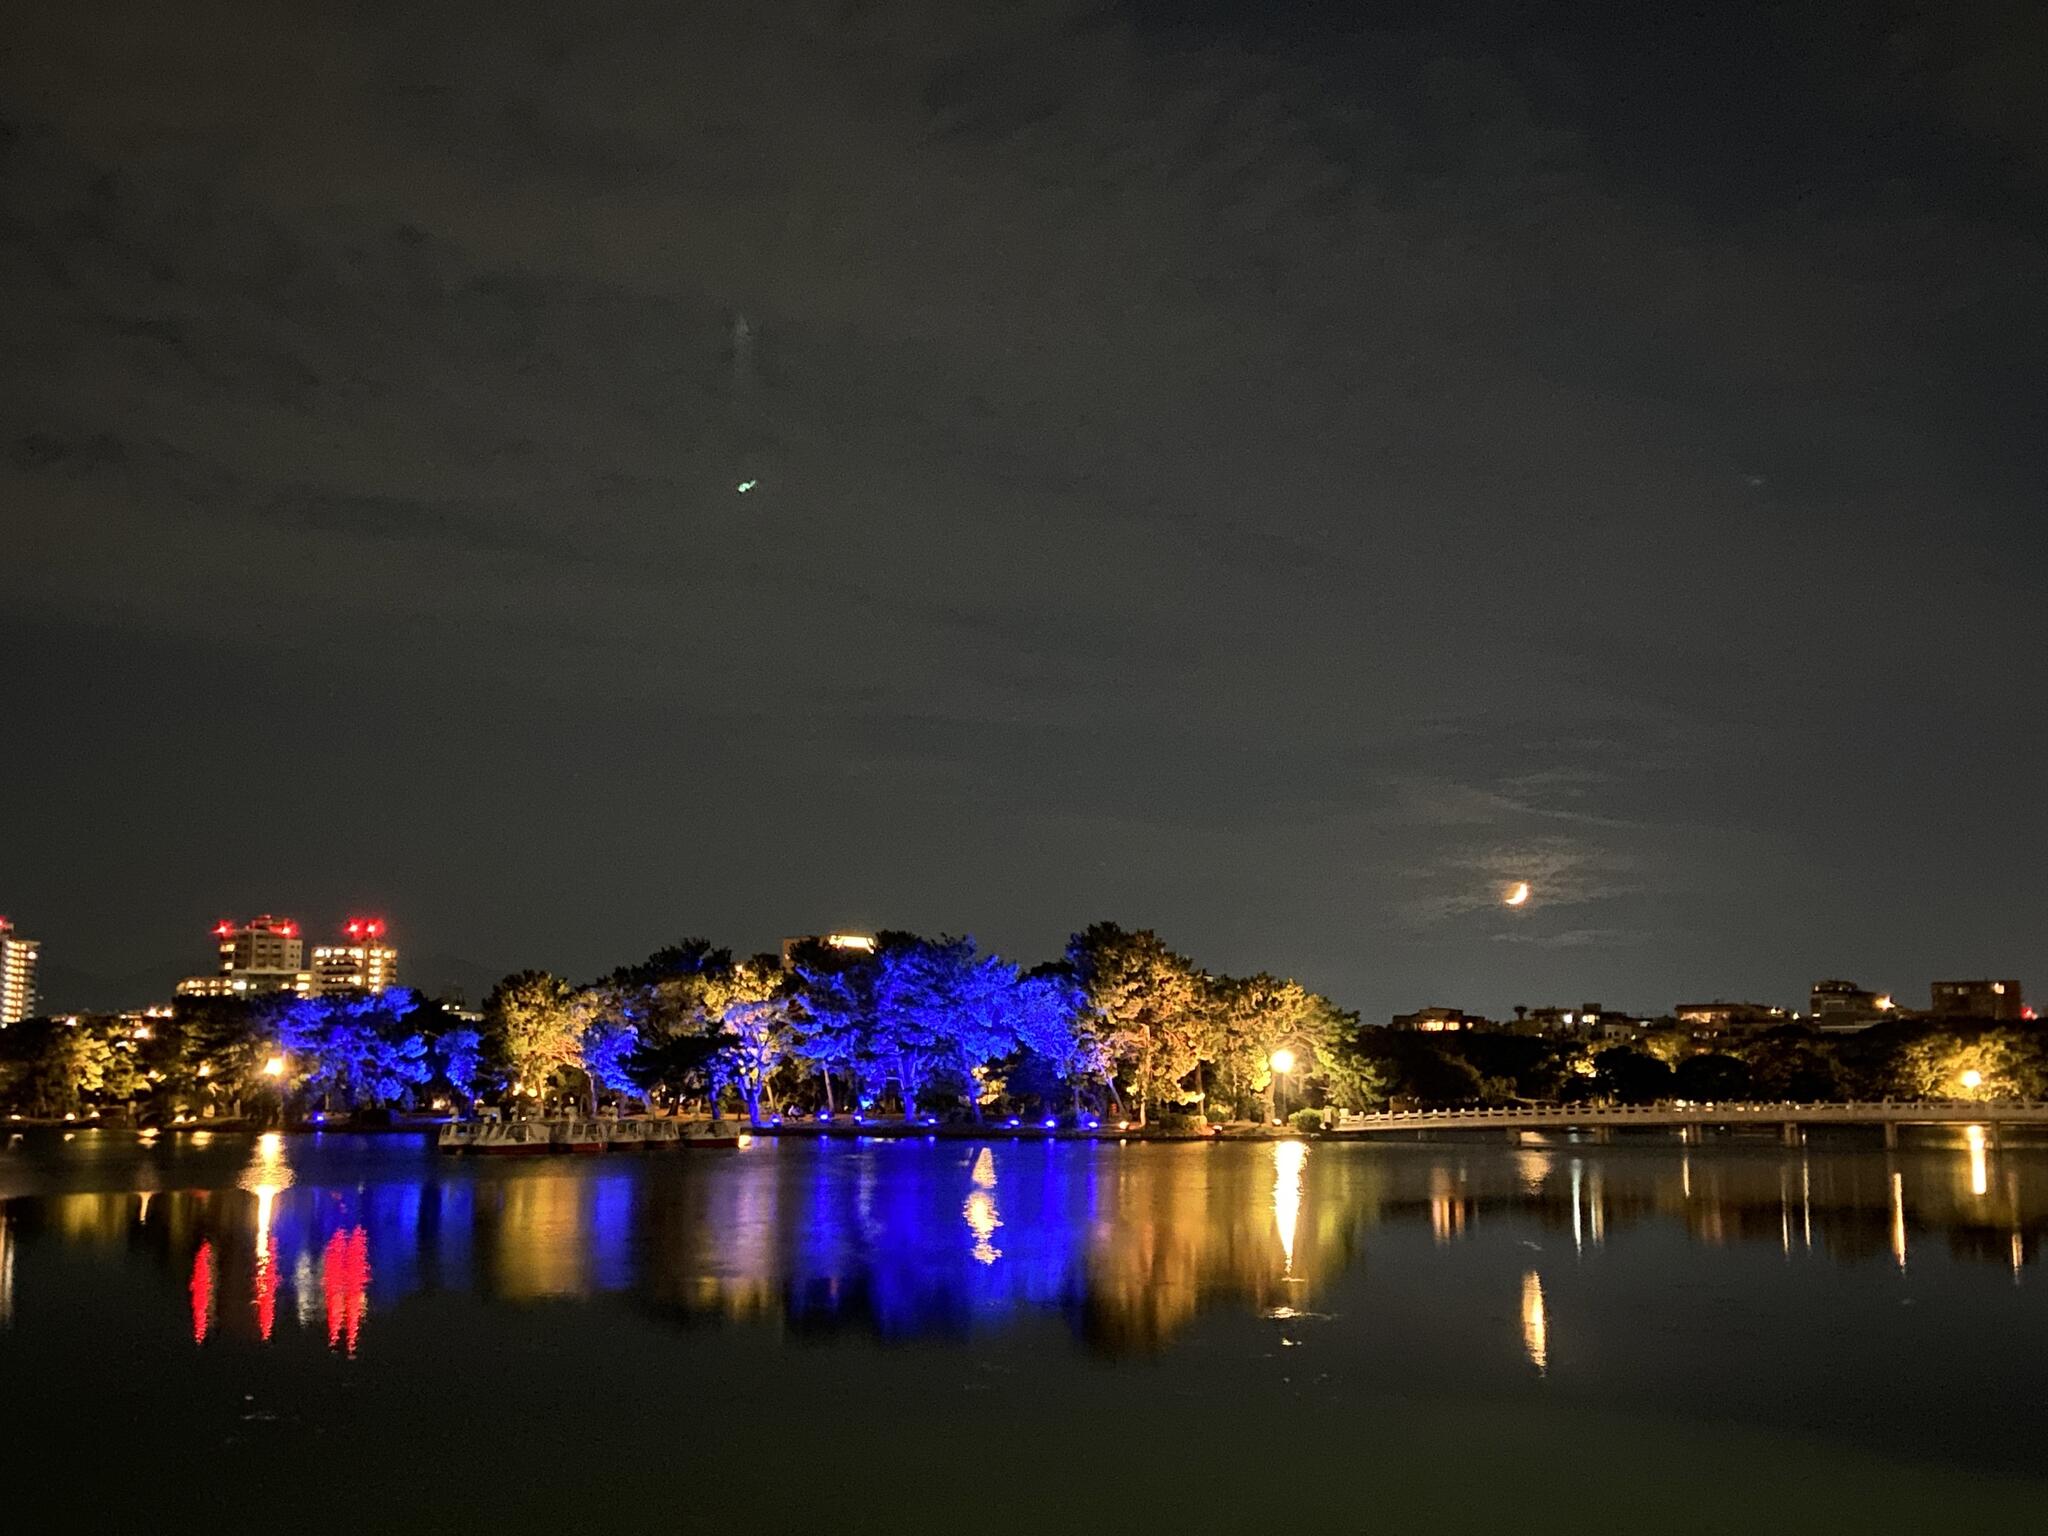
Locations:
column 65, row 989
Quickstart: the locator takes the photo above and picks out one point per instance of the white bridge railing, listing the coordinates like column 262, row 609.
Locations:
column 1864, row 1112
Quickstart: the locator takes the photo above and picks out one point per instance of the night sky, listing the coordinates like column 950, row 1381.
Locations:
column 1275, row 474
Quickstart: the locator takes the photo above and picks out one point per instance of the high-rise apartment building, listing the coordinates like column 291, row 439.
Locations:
column 263, row 943
column 361, row 962
column 17, row 975
column 265, row 954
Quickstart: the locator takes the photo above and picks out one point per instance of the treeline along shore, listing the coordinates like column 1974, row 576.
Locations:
column 1119, row 1027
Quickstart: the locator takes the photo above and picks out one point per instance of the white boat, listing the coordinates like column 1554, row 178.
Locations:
column 497, row 1136
column 587, row 1135
column 715, row 1133
column 635, row 1135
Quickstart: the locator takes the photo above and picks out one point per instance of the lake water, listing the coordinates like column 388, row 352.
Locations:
column 277, row 1334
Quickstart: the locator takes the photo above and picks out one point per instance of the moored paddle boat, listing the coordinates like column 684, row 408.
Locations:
column 715, row 1134
column 498, row 1137
column 584, row 1136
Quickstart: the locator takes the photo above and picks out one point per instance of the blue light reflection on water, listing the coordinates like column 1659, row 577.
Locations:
column 904, row 1238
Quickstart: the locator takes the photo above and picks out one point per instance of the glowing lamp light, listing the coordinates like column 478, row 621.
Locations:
column 1092, row 1123
column 824, row 1114
column 1973, row 1079
column 223, row 930
column 1052, row 1125
column 1015, row 1121
column 274, row 1067
column 1283, row 1060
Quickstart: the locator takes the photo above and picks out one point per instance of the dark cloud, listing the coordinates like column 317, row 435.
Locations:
column 1224, row 467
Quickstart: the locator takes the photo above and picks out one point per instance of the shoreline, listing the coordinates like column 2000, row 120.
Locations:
column 428, row 1132
column 883, row 1131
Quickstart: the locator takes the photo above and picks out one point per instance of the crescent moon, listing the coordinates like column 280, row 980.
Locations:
column 1518, row 894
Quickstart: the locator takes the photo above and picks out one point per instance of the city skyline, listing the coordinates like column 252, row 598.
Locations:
column 363, row 960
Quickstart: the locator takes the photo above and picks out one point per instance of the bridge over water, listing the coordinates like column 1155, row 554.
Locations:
column 1791, row 1120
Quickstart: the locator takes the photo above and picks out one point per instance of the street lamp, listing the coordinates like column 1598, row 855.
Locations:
column 274, row 1067
column 1973, row 1079
column 1282, row 1063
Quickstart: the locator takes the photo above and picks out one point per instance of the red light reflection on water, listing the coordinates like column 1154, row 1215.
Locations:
column 266, row 1294
column 202, row 1291
column 345, row 1282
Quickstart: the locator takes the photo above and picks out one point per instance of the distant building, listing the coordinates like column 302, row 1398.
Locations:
column 849, row 943
column 18, row 958
column 263, row 943
column 250, row 983
column 136, row 1023
column 1713, row 1017
column 1841, row 1007
column 1439, row 1021
column 2001, row 1000
column 361, row 962
column 1588, row 1021
column 265, row 954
